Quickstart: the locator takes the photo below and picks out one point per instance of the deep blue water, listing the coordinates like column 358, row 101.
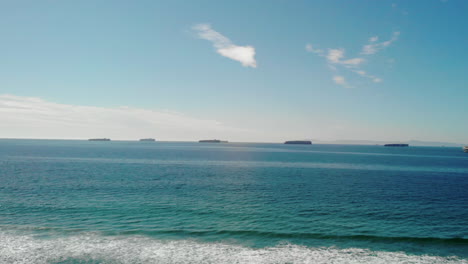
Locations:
column 166, row 202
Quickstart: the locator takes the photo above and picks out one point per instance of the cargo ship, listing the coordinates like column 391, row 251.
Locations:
column 99, row 139
column 300, row 142
column 212, row 141
column 396, row 145
column 147, row 139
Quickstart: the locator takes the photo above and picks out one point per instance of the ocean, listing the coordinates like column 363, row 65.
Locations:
column 65, row 201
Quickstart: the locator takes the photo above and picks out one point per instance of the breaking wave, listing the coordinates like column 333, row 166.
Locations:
column 94, row 248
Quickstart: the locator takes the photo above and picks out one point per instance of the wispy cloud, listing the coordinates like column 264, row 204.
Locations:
column 374, row 47
column 338, row 79
column 31, row 117
column 353, row 62
column 223, row 45
column 335, row 56
column 336, row 59
column 310, row 48
column 365, row 74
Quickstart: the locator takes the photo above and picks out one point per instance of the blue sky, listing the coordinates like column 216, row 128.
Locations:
column 237, row 70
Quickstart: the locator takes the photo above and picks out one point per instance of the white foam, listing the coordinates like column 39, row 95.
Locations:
column 94, row 248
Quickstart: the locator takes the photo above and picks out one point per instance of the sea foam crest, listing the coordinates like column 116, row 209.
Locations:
column 92, row 248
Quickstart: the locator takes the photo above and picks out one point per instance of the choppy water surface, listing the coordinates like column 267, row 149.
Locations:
column 157, row 202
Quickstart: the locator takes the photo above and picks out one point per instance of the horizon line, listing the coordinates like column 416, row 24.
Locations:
column 361, row 142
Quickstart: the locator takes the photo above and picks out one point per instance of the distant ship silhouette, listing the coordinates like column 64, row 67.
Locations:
column 396, row 145
column 147, row 139
column 212, row 141
column 301, row 142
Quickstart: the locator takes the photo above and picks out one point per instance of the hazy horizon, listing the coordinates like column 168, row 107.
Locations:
column 413, row 142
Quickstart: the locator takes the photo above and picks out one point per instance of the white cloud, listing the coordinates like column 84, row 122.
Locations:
column 355, row 61
column 310, row 48
column 30, row 117
column 336, row 58
column 243, row 54
column 374, row 79
column 362, row 73
column 341, row 81
column 373, row 47
column 335, row 55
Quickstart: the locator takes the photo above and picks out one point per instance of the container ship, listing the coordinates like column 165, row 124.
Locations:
column 396, row 145
column 300, row 142
column 212, row 141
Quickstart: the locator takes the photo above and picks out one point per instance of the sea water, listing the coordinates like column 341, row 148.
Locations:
column 174, row 202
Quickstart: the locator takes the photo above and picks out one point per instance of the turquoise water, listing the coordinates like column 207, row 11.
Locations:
column 163, row 202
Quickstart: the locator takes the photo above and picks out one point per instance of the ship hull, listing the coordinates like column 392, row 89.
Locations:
column 299, row 142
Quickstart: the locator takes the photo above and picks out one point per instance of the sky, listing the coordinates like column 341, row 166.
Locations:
column 248, row 71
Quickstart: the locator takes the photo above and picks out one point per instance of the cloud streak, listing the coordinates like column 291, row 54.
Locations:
column 224, row 46
column 335, row 56
column 374, row 47
column 337, row 60
column 374, row 79
column 31, row 117
column 341, row 81
column 310, row 48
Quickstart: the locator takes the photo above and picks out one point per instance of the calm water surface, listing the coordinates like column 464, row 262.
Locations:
column 163, row 202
